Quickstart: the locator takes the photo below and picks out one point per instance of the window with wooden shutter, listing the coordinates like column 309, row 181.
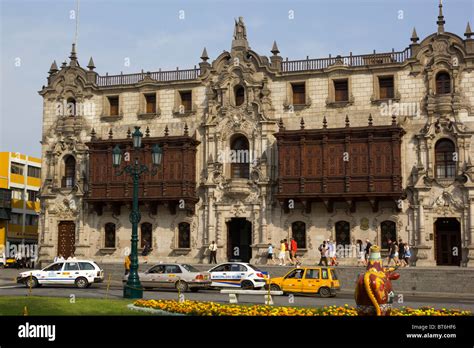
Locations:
column 184, row 235
column 341, row 90
column 386, row 87
column 110, row 235
column 240, row 159
column 443, row 83
column 150, row 103
column 299, row 93
column 114, row 105
column 186, row 100
column 444, row 159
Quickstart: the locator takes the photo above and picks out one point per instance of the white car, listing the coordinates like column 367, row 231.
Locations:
column 81, row 273
column 237, row 274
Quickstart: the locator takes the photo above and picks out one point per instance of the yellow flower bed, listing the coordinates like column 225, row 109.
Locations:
column 216, row 309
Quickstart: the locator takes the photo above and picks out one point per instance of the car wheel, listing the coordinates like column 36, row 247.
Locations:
column 31, row 282
column 247, row 285
column 324, row 292
column 274, row 287
column 194, row 289
column 181, row 286
column 81, row 282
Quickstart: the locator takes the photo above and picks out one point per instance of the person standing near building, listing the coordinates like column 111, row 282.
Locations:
column 127, row 264
column 401, row 253
column 287, row 253
column 323, row 249
column 294, row 249
column 367, row 249
column 360, row 253
column 213, row 252
column 281, row 255
column 407, row 255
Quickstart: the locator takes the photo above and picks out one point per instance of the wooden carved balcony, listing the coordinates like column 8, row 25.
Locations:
column 339, row 164
column 174, row 185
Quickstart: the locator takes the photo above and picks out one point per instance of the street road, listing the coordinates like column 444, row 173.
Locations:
column 115, row 291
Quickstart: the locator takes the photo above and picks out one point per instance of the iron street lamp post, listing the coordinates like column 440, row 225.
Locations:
column 133, row 287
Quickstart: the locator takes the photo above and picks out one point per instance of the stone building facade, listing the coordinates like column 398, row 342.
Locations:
column 239, row 101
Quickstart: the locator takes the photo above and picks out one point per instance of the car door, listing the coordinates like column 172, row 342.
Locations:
column 70, row 272
column 312, row 280
column 237, row 274
column 172, row 275
column 293, row 281
column 219, row 275
column 52, row 274
column 154, row 277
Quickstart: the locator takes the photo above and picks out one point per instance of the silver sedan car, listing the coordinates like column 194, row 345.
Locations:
column 181, row 277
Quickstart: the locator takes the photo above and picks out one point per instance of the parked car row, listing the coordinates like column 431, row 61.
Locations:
column 184, row 277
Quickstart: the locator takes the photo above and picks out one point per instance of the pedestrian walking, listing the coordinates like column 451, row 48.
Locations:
column 323, row 249
column 294, row 249
column 332, row 253
column 407, row 255
column 270, row 256
column 361, row 253
column 368, row 244
column 213, row 252
column 127, row 264
column 281, row 255
column 287, row 253
column 401, row 252
column 146, row 251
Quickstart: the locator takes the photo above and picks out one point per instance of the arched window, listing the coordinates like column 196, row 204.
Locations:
column 444, row 159
column 146, row 234
column 298, row 232
column 71, row 107
column 443, row 83
column 240, row 157
column 239, row 93
column 110, row 235
column 343, row 233
column 388, row 231
column 68, row 179
column 184, row 235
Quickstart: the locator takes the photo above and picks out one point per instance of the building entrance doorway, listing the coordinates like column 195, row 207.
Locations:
column 448, row 242
column 239, row 238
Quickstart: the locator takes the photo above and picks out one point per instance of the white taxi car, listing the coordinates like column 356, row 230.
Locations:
column 237, row 274
column 81, row 273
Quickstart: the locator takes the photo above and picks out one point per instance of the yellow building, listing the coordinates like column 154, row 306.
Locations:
column 20, row 182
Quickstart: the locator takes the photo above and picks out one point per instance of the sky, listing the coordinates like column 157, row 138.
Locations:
column 166, row 34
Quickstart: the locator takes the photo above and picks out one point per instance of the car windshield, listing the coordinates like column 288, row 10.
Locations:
column 190, row 268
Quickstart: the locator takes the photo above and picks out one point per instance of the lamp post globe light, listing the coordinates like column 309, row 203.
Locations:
column 133, row 287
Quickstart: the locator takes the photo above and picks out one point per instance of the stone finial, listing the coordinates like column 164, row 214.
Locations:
column 325, row 122
column 468, row 32
column 73, row 56
column 204, row 56
column 186, row 129
column 275, row 49
column 91, row 65
column 111, row 134
column 129, row 133
column 370, row 120
column 302, row 123
column 280, row 124
column 166, row 131
column 347, row 121
column 440, row 20
column 147, row 132
column 414, row 36
column 54, row 68
column 64, row 64
column 93, row 134
column 394, row 120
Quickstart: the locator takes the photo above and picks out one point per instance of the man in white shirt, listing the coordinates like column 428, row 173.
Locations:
column 213, row 254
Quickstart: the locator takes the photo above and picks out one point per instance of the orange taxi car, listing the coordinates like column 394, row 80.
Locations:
column 308, row 280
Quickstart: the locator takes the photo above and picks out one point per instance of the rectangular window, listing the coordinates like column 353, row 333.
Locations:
column 5, row 198
column 17, row 194
column 31, row 220
column 186, row 100
column 16, row 219
column 17, row 168
column 34, row 172
column 114, row 105
column 341, row 90
column 299, row 93
column 386, row 89
column 150, row 103
column 33, row 196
